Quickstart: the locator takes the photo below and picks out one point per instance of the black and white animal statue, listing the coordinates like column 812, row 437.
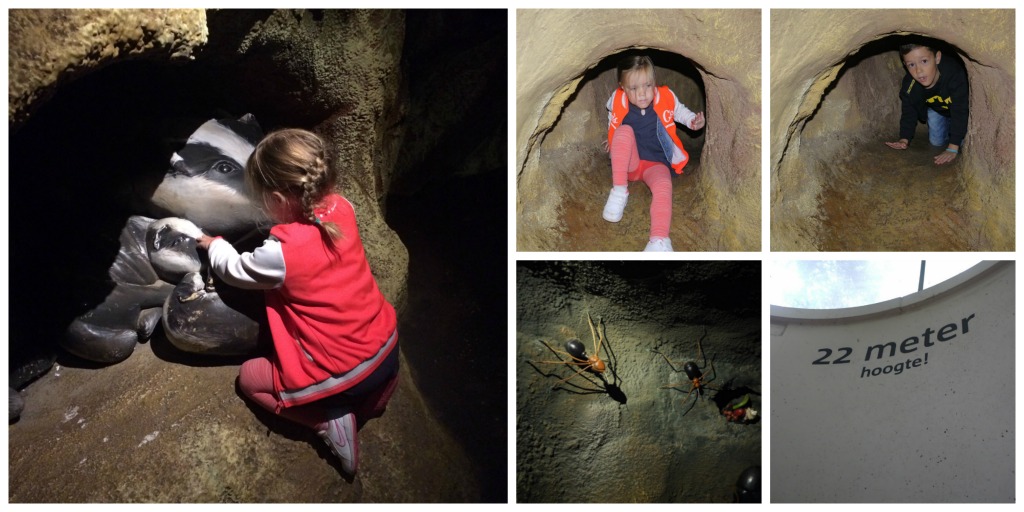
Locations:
column 154, row 254
column 158, row 273
column 206, row 180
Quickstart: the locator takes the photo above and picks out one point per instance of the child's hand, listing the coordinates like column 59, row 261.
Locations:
column 945, row 157
column 204, row 241
column 698, row 122
column 900, row 144
column 604, row 144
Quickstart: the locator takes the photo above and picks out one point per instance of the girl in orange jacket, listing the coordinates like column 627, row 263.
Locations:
column 643, row 144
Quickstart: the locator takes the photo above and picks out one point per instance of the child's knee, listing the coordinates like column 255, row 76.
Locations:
column 256, row 376
column 624, row 131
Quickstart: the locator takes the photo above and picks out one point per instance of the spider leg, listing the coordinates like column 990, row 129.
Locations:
column 553, row 362
column 712, row 370
column 700, row 349
column 691, row 404
column 667, row 360
column 573, row 359
column 578, row 372
column 595, row 334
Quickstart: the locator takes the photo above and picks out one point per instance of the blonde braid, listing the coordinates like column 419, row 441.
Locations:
column 315, row 186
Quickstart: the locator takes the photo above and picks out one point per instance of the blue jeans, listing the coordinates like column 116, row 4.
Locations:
column 938, row 129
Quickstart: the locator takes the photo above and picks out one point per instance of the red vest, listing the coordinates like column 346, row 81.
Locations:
column 330, row 323
column 664, row 106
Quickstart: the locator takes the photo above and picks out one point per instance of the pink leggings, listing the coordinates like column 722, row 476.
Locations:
column 256, row 380
column 367, row 398
column 627, row 166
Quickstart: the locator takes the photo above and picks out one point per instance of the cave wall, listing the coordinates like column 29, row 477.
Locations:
column 725, row 48
column 810, row 49
column 48, row 47
column 348, row 65
column 592, row 443
column 334, row 72
column 844, row 112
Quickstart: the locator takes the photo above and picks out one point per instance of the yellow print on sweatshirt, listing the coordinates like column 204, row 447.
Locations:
column 943, row 102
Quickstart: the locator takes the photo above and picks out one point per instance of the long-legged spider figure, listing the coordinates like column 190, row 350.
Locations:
column 697, row 380
column 579, row 361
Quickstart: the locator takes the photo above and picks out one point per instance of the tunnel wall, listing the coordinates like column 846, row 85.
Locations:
column 723, row 45
column 928, row 418
column 49, row 47
column 808, row 53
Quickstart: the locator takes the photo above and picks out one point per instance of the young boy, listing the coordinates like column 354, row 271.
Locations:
column 937, row 89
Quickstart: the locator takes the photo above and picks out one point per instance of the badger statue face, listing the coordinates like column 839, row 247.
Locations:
column 206, row 181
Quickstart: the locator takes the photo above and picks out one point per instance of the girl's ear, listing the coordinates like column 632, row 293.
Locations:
column 938, row 57
column 278, row 199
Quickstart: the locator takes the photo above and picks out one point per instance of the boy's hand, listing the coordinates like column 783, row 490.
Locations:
column 698, row 122
column 900, row 144
column 945, row 157
column 204, row 241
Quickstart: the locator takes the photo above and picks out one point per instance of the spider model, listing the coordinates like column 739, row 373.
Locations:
column 697, row 376
column 579, row 361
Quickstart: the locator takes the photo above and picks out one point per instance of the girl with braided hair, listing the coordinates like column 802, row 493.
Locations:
column 335, row 358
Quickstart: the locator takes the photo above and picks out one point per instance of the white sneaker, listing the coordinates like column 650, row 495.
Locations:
column 659, row 245
column 616, row 203
column 341, row 437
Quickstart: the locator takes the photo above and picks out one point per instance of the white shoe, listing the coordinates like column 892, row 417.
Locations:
column 616, row 203
column 659, row 245
column 341, row 437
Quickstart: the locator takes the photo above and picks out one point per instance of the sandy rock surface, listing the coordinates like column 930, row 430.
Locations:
column 149, row 430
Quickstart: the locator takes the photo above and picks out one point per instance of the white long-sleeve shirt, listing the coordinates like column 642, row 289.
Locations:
column 261, row 269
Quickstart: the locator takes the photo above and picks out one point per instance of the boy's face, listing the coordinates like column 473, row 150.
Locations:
column 639, row 87
column 923, row 64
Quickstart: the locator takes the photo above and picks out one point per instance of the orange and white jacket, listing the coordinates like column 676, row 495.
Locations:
column 670, row 111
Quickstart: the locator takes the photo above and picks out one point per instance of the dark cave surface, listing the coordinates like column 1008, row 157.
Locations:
column 626, row 437
column 93, row 140
column 456, row 236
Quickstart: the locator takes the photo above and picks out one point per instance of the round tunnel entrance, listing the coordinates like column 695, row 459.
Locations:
column 574, row 150
column 563, row 173
column 875, row 197
column 845, row 190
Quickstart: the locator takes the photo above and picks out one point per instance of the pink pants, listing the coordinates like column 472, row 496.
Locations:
column 627, row 166
column 367, row 399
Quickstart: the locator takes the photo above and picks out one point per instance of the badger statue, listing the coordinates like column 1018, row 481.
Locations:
column 158, row 273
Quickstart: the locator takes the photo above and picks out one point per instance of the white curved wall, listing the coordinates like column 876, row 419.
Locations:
column 909, row 400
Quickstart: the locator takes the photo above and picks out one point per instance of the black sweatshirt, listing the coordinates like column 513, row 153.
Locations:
column 948, row 97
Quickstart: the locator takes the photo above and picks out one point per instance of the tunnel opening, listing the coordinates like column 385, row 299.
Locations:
column 869, row 197
column 906, row 202
column 573, row 151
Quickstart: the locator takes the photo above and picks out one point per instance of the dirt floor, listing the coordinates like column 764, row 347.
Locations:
column 887, row 200
column 582, row 211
